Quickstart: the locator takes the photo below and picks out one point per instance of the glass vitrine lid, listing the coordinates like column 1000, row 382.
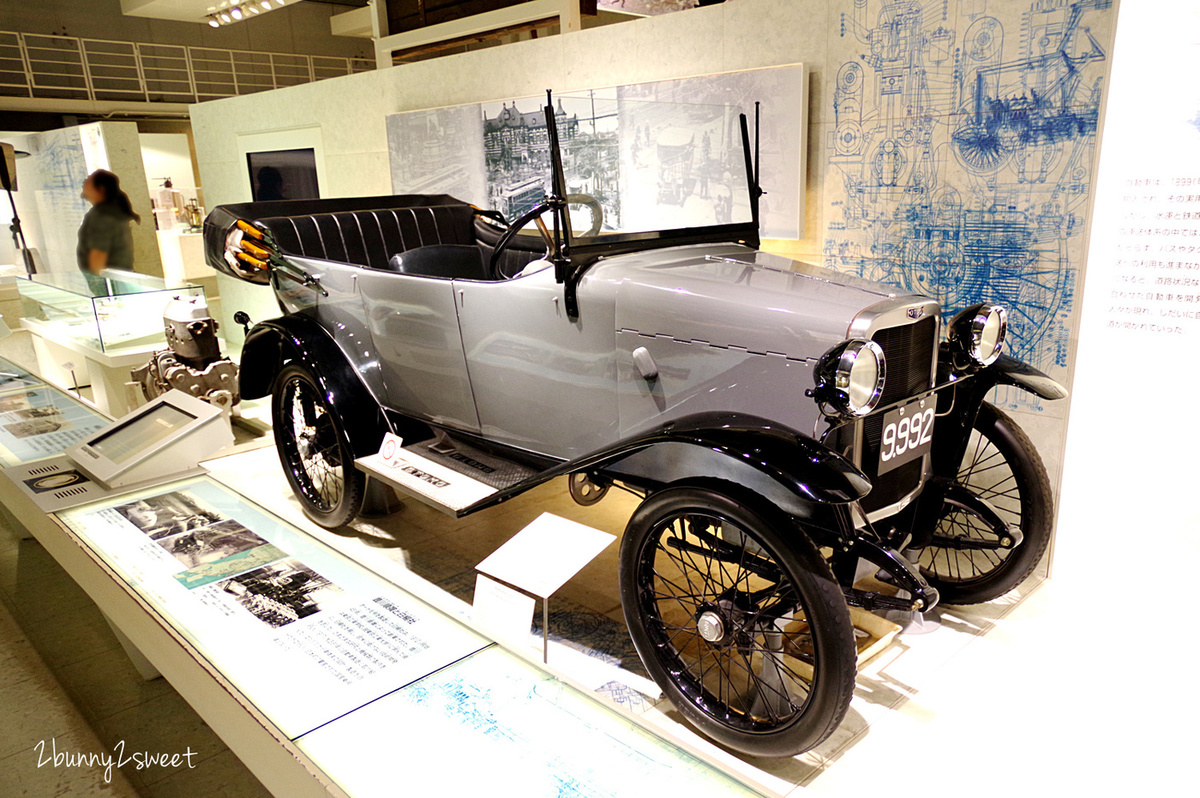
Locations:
column 110, row 282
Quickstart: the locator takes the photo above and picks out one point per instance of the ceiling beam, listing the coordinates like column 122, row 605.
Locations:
column 95, row 107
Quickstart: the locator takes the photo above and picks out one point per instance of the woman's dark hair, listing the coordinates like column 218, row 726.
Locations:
column 110, row 185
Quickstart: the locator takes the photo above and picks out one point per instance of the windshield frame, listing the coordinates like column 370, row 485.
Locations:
column 573, row 256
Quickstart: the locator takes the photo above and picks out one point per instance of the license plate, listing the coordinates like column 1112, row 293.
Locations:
column 907, row 434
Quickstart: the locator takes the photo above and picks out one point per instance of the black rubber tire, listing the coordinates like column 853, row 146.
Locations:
column 349, row 502
column 825, row 611
column 1036, row 503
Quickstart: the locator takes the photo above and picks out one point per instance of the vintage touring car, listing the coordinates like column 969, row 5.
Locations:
column 782, row 423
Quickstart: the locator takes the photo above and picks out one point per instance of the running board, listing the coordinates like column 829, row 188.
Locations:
column 448, row 477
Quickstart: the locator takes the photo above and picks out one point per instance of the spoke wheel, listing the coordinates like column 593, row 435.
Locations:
column 314, row 451
column 738, row 619
column 1002, row 467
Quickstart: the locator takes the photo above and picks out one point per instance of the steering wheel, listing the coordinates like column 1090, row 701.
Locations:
column 534, row 214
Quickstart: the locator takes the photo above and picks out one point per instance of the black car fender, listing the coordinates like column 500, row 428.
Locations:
column 786, row 467
column 272, row 344
column 957, row 411
column 958, row 406
column 1008, row 370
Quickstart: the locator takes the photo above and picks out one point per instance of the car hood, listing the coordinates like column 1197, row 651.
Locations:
column 734, row 297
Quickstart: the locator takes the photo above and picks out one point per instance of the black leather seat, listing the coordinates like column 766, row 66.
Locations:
column 375, row 237
column 371, row 237
column 448, row 261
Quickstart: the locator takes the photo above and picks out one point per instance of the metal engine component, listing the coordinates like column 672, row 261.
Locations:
column 191, row 331
column 193, row 363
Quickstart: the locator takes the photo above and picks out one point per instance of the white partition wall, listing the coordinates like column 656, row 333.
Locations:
column 1130, row 502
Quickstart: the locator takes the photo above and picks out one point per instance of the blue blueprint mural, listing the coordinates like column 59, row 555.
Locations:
column 962, row 153
column 49, row 182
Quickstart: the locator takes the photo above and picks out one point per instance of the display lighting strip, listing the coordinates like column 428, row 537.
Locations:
column 239, row 10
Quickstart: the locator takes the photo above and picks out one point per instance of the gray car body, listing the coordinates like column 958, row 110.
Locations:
column 728, row 328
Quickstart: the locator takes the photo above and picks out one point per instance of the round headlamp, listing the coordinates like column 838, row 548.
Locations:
column 850, row 377
column 978, row 332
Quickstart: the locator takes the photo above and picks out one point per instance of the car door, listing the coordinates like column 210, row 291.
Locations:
column 542, row 382
column 414, row 329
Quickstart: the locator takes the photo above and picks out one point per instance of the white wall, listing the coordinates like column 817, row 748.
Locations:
column 1130, row 518
column 1133, row 488
column 168, row 155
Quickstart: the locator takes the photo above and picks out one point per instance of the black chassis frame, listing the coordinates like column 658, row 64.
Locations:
column 812, row 483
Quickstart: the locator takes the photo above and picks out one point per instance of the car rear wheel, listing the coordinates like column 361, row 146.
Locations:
column 967, row 561
column 737, row 618
column 313, row 448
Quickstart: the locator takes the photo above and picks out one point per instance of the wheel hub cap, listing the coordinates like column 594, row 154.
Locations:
column 710, row 626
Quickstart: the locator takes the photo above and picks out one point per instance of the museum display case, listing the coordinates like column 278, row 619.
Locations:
column 109, row 312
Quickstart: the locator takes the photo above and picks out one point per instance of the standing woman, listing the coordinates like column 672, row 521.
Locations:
column 105, row 238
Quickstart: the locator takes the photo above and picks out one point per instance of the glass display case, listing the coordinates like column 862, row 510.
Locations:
column 113, row 310
column 38, row 421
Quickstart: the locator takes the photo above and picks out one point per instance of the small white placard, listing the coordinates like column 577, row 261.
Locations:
column 391, row 449
column 544, row 555
column 503, row 611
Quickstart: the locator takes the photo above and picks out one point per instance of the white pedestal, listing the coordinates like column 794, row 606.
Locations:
column 182, row 256
column 52, row 362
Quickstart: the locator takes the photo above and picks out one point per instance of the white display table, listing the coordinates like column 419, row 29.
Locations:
column 106, row 372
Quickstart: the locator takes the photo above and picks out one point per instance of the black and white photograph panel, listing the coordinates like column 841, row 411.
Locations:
column 682, row 161
column 16, row 401
column 647, row 8
column 169, row 514
column 210, row 543
column 654, row 155
column 37, row 426
column 517, row 151
column 282, row 592
column 438, row 151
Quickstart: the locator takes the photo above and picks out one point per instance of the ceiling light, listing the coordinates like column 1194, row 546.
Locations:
column 213, row 22
column 237, row 12
column 266, row 4
column 225, row 17
column 252, row 9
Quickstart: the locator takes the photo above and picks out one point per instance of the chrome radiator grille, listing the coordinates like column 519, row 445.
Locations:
column 908, row 356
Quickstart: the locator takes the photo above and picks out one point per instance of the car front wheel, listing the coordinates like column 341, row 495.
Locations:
column 737, row 618
column 966, row 560
column 314, row 450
